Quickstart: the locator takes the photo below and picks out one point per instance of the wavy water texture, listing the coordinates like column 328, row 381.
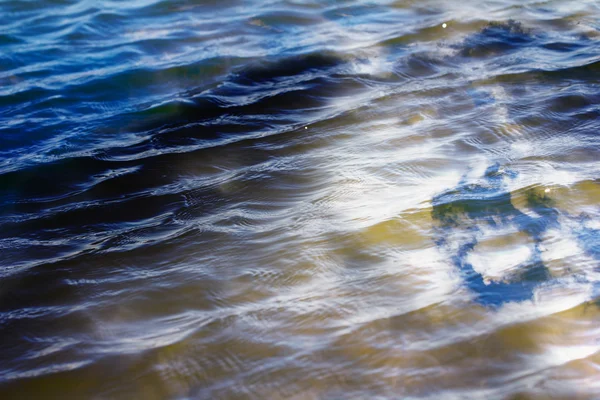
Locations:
column 305, row 200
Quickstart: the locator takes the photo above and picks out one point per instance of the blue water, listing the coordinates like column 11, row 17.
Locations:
column 306, row 200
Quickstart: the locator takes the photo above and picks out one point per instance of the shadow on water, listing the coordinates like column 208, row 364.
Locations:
column 76, row 224
column 465, row 213
column 125, row 193
column 498, row 38
column 203, row 136
column 470, row 208
column 268, row 96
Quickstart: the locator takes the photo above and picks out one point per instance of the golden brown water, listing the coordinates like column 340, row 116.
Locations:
column 293, row 200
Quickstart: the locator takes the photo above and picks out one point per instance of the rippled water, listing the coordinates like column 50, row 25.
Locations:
column 299, row 200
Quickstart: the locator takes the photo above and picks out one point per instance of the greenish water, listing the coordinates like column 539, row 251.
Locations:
column 299, row 200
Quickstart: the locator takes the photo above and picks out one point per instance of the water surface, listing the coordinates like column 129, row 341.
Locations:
column 299, row 200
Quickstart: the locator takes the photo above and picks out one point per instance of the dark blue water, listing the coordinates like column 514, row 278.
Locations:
column 305, row 200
